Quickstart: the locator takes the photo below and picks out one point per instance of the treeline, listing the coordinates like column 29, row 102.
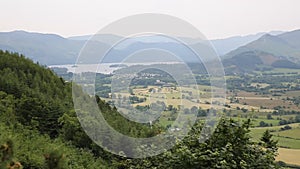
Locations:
column 282, row 82
column 229, row 147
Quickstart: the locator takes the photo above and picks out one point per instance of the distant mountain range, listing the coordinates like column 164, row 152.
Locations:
column 282, row 50
column 50, row 49
column 222, row 46
column 43, row 48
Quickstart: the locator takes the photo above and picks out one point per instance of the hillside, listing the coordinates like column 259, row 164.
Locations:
column 223, row 46
column 47, row 49
column 32, row 100
column 36, row 106
column 282, row 51
column 38, row 92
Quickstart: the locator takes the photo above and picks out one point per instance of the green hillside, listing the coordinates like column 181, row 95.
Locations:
column 41, row 97
column 32, row 100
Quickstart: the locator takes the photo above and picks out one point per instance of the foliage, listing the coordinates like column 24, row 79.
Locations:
column 6, row 160
column 54, row 160
column 40, row 97
column 229, row 147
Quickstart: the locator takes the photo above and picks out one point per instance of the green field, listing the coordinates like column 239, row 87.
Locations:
column 287, row 139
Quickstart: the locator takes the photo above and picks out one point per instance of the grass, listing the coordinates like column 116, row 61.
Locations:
column 289, row 156
column 285, row 70
column 173, row 95
column 288, row 142
column 254, row 100
column 293, row 93
column 274, row 122
column 165, row 122
column 293, row 133
column 288, row 138
column 261, row 85
column 255, row 122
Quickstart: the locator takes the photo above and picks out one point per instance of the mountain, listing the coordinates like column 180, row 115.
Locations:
column 292, row 38
column 223, row 46
column 282, row 50
column 46, row 49
column 103, row 38
column 82, row 37
column 51, row 49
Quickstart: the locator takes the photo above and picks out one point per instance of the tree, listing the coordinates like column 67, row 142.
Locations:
column 54, row 160
column 186, row 111
column 194, row 110
column 283, row 122
column 297, row 119
column 286, row 127
column 267, row 140
column 229, row 147
column 244, row 110
column 7, row 160
column 7, row 108
column 39, row 96
column 263, row 124
column 269, row 144
column 130, row 91
column 269, row 117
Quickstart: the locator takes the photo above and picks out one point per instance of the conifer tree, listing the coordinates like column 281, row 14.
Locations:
column 268, row 142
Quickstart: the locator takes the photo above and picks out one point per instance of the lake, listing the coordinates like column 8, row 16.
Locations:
column 104, row 68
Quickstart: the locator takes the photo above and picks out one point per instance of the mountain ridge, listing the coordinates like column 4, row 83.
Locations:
column 283, row 51
column 52, row 49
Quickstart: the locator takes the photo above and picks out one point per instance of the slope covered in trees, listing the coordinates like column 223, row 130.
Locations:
column 40, row 97
column 39, row 129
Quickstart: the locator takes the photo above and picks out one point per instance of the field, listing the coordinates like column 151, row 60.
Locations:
column 287, row 138
column 290, row 156
column 288, row 141
column 267, row 101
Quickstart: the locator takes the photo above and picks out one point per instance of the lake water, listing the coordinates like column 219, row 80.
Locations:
column 104, row 68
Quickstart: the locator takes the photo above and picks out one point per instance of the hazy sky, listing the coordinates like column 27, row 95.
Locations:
column 214, row 18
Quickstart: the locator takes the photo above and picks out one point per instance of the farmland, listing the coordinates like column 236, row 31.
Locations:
column 269, row 99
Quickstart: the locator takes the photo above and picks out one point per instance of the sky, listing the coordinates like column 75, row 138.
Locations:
column 214, row 18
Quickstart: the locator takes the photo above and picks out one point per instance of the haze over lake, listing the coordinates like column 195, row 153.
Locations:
column 104, row 68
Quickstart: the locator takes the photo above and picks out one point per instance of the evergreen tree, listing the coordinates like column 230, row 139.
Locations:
column 268, row 142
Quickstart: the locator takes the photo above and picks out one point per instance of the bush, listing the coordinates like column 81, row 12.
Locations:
column 263, row 124
column 287, row 127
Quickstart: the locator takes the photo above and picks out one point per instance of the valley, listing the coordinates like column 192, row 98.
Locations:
column 262, row 95
column 270, row 99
